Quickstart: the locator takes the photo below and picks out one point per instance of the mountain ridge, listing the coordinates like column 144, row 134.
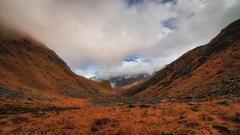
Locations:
column 224, row 48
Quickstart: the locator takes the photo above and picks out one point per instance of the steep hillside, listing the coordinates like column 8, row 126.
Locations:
column 31, row 71
column 206, row 71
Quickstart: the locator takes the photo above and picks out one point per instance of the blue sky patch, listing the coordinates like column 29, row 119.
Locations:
column 134, row 2
column 131, row 58
column 174, row 2
column 170, row 23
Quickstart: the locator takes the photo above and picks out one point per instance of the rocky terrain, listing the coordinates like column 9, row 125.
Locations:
column 198, row 94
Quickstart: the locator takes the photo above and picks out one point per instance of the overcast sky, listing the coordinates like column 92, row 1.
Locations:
column 107, row 38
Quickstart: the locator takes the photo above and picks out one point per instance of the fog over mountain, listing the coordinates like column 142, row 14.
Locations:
column 108, row 38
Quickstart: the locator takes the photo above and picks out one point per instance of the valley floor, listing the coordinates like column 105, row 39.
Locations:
column 216, row 117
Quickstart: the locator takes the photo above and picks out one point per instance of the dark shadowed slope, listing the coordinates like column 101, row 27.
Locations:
column 29, row 70
column 209, row 70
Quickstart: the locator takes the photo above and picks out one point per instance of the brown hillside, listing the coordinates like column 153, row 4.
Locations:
column 209, row 70
column 29, row 70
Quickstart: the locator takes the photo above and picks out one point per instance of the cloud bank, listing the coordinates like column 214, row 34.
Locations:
column 94, row 36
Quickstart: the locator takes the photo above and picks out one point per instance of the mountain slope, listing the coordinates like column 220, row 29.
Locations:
column 209, row 70
column 29, row 70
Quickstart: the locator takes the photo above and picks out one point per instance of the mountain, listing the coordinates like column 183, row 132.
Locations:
column 31, row 71
column 121, row 84
column 211, row 70
column 121, row 81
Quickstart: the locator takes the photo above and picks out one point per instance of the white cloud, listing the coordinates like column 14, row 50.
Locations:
column 102, row 32
column 138, row 66
column 127, row 68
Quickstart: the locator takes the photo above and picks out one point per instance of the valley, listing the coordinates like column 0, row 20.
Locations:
column 197, row 94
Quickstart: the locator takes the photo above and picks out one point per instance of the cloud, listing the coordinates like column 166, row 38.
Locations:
column 137, row 66
column 103, row 32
